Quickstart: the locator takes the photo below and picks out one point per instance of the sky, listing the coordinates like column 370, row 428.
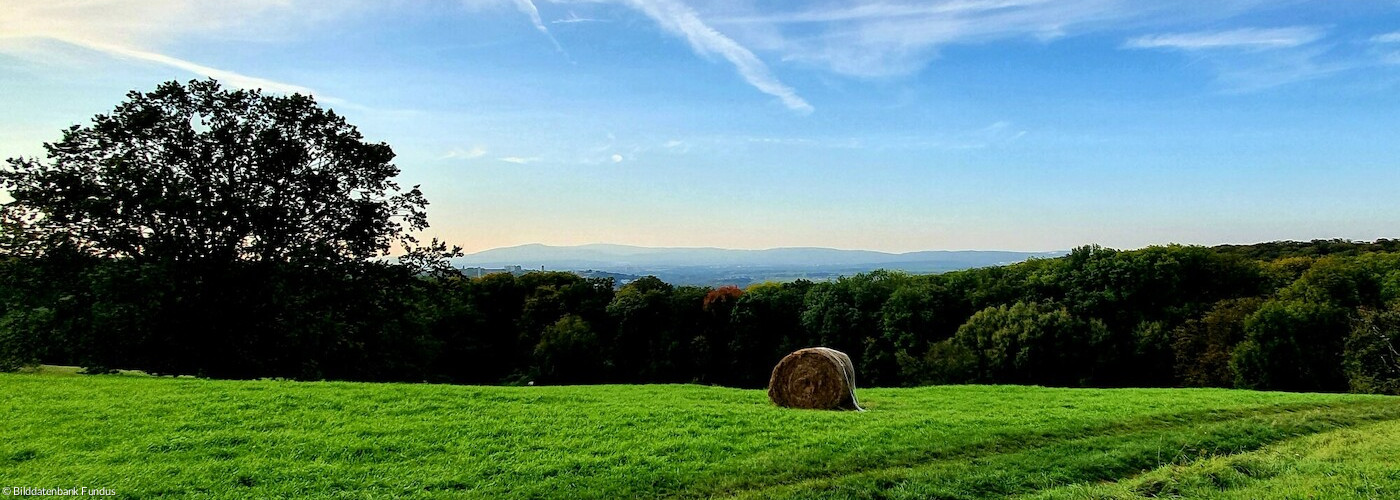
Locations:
column 894, row 125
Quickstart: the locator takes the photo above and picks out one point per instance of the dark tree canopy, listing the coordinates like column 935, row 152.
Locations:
column 197, row 172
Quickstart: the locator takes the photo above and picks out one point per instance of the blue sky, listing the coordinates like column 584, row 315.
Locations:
column 896, row 125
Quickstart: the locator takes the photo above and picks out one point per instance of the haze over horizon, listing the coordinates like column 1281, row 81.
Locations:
column 711, row 247
column 1017, row 125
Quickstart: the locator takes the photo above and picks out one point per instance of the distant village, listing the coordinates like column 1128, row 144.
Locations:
column 692, row 276
column 477, row 272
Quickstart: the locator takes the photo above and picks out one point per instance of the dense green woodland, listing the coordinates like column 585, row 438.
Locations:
column 1323, row 316
column 233, row 234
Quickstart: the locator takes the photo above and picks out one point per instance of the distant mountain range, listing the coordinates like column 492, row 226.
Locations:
column 711, row 266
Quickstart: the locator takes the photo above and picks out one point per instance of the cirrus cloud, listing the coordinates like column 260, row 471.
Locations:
column 138, row 30
column 1243, row 38
column 681, row 20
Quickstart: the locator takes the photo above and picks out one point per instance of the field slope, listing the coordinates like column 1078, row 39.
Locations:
column 151, row 437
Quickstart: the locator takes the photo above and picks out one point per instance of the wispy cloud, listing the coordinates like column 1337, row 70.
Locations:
column 137, row 30
column 153, row 23
column 882, row 10
column 993, row 135
column 574, row 18
column 899, row 37
column 1243, row 38
column 676, row 146
column 465, row 154
column 677, row 18
column 893, row 38
column 1386, row 48
column 1387, row 38
column 1243, row 74
column 998, row 133
column 223, row 76
column 528, row 8
column 519, row 160
column 1252, row 59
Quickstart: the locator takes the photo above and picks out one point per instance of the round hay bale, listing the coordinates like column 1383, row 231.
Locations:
column 815, row 377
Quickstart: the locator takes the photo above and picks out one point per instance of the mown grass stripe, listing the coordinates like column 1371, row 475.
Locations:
column 1009, row 442
column 1089, row 459
column 1355, row 462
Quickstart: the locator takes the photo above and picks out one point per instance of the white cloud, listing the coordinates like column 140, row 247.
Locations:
column 136, row 30
column 223, row 76
column 677, row 18
column 1387, row 38
column 889, row 37
column 467, row 154
column 140, row 24
column 900, row 37
column 998, row 133
column 885, row 11
column 1253, row 59
column 1387, row 48
column 1240, row 73
column 993, row 135
column 676, row 146
column 1244, row 38
column 574, row 18
column 518, row 160
column 528, row 8
column 617, row 158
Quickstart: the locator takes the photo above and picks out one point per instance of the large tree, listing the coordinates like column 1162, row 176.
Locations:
column 201, row 173
column 225, row 232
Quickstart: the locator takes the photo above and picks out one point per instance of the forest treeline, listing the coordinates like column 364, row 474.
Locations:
column 198, row 230
column 1319, row 316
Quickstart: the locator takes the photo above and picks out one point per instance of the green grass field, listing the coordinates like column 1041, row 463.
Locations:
column 150, row 437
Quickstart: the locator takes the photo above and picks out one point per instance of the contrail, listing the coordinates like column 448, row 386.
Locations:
column 679, row 19
column 528, row 7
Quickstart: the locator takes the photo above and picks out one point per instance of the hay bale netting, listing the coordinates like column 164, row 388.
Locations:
column 815, row 377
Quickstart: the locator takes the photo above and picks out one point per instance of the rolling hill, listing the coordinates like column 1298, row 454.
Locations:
column 711, row 266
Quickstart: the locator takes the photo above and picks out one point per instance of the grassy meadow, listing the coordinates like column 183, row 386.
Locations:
column 148, row 437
